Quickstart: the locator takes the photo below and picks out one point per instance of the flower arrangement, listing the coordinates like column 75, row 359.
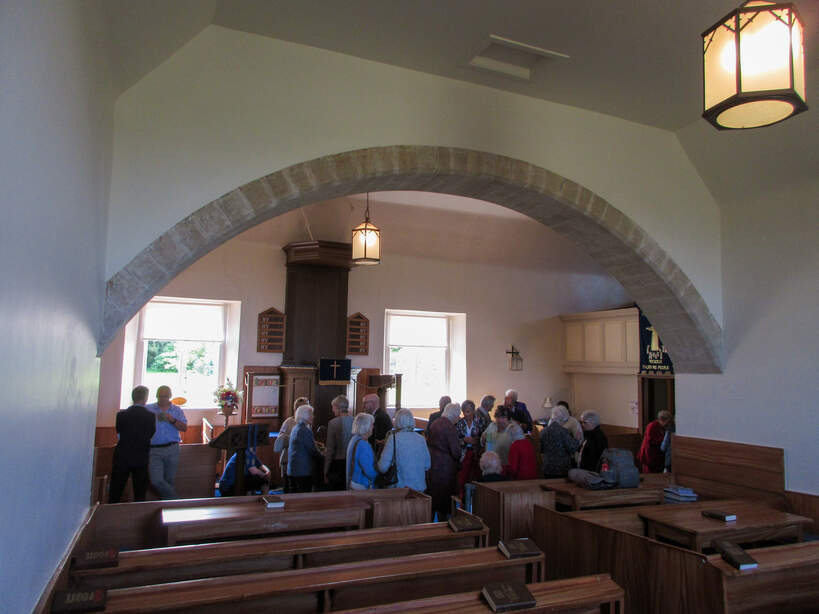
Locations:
column 227, row 397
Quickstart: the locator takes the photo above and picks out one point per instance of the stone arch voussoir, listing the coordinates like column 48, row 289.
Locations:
column 664, row 292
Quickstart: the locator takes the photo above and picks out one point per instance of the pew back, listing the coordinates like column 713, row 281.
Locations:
column 334, row 587
column 728, row 470
column 174, row 564
column 507, row 507
column 134, row 525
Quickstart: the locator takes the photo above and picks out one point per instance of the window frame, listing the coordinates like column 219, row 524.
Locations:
column 447, row 317
column 139, row 370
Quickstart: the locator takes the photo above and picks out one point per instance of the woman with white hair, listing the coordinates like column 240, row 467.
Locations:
column 557, row 445
column 360, row 464
column 594, row 441
column 302, row 453
column 491, row 468
column 281, row 446
column 409, row 451
column 522, row 464
column 445, row 452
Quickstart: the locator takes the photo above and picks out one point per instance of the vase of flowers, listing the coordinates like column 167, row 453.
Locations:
column 228, row 399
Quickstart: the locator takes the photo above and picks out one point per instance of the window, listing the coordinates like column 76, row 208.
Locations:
column 423, row 347
column 185, row 344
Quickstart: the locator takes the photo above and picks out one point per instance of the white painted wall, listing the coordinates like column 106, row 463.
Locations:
column 56, row 132
column 769, row 392
column 507, row 297
column 230, row 107
column 608, row 395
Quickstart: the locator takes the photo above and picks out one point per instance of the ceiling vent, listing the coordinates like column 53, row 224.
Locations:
column 511, row 58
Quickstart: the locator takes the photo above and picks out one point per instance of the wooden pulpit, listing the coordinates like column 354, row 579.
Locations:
column 237, row 439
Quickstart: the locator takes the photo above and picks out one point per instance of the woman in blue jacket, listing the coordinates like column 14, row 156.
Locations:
column 302, row 453
column 361, row 469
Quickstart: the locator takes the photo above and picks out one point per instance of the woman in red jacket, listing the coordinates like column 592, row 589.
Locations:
column 522, row 464
column 650, row 457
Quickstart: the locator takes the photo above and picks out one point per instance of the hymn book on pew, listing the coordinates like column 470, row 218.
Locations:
column 79, row 601
column 507, row 596
column 96, row 559
column 518, row 548
column 272, row 501
column 735, row 555
column 464, row 522
column 719, row 515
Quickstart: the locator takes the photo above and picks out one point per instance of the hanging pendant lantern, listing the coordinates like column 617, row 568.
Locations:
column 366, row 240
column 754, row 66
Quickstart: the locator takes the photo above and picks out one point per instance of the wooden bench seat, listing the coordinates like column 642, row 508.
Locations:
column 585, row 595
column 174, row 564
column 333, row 587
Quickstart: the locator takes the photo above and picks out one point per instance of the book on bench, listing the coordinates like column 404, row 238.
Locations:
column 507, row 596
column 735, row 555
column 719, row 515
column 96, row 559
column 79, row 601
column 464, row 522
column 272, row 501
column 519, row 548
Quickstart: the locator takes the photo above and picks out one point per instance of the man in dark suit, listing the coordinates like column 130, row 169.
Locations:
column 135, row 426
column 519, row 412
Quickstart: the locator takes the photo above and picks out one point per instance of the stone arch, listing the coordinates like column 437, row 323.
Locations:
column 672, row 303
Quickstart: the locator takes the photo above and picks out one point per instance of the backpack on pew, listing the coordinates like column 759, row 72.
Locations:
column 617, row 468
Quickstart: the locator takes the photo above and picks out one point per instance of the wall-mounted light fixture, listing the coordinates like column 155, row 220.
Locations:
column 366, row 240
column 754, row 66
column 515, row 359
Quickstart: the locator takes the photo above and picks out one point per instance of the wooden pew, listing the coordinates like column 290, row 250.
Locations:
column 174, row 564
column 127, row 526
column 395, row 507
column 334, row 587
column 728, row 470
column 506, row 507
column 198, row 524
column 586, row 595
column 660, row 577
column 786, row 581
column 575, row 497
column 656, row 577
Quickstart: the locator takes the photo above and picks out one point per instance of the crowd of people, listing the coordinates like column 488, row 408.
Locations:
column 461, row 443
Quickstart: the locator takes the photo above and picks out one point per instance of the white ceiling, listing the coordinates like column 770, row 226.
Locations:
column 637, row 59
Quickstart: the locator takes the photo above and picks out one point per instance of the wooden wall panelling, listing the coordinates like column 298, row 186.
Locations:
column 105, row 436
column 605, row 342
column 725, row 470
